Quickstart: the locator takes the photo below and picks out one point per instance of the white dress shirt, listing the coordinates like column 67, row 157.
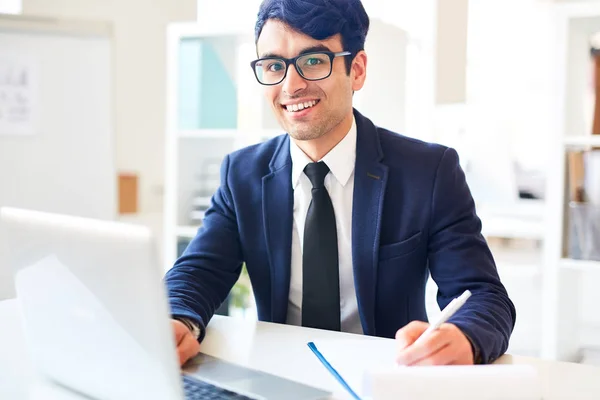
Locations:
column 339, row 183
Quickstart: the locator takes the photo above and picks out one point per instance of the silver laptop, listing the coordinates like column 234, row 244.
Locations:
column 97, row 318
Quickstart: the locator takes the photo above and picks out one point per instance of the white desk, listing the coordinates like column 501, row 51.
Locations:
column 277, row 349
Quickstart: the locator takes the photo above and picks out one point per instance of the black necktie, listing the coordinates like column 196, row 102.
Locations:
column 320, row 271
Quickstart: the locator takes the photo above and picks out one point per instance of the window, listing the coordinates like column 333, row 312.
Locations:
column 11, row 6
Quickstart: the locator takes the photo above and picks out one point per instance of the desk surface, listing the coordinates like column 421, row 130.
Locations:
column 277, row 349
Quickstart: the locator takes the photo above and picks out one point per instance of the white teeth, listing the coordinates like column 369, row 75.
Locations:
column 300, row 106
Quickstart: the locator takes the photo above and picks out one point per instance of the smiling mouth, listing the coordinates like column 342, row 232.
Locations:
column 300, row 106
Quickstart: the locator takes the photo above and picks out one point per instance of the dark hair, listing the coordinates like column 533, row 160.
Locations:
column 320, row 19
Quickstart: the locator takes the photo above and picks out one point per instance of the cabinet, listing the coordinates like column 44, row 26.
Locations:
column 564, row 278
column 214, row 106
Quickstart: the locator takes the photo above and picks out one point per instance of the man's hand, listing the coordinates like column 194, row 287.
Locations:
column 445, row 346
column 187, row 345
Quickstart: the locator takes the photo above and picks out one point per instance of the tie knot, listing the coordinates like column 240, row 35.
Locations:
column 316, row 172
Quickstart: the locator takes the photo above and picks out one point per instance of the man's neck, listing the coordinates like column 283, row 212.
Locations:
column 316, row 149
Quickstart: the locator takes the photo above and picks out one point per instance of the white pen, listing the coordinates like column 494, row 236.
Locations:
column 449, row 311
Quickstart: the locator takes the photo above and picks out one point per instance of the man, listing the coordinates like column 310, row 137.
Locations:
column 340, row 222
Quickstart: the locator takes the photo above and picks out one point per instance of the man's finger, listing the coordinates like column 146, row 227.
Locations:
column 180, row 330
column 409, row 333
column 429, row 346
column 188, row 348
column 444, row 356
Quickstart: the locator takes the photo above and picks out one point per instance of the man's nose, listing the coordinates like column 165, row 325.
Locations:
column 293, row 81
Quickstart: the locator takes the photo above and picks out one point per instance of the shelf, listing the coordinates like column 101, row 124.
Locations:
column 186, row 231
column 209, row 133
column 271, row 133
column 197, row 214
column 202, row 201
column 520, row 263
column 263, row 134
column 521, row 272
column 582, row 265
column 582, row 141
column 512, row 228
column 522, row 219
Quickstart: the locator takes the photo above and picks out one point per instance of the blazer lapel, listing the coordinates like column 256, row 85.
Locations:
column 370, row 178
column 278, row 203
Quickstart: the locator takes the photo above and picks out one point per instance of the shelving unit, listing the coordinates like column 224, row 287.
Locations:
column 580, row 265
column 582, row 141
column 214, row 107
column 564, row 278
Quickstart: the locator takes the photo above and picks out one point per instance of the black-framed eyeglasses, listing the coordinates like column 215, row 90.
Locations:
column 312, row 66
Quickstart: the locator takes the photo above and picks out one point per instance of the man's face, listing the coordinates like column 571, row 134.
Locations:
column 325, row 103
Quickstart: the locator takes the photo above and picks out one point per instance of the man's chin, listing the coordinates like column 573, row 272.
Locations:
column 303, row 135
column 301, row 130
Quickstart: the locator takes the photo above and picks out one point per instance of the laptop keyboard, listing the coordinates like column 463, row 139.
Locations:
column 196, row 389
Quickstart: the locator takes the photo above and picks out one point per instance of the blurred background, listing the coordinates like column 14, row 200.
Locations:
column 124, row 109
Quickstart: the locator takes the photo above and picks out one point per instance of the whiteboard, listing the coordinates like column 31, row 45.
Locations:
column 66, row 162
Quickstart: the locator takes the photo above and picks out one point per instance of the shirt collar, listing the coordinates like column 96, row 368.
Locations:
column 340, row 159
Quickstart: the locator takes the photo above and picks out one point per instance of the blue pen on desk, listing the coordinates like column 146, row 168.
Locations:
column 332, row 370
column 448, row 312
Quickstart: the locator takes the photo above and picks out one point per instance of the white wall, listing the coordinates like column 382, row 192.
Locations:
column 510, row 76
column 451, row 54
column 243, row 18
column 140, row 75
column 139, row 86
column 418, row 21
column 383, row 97
column 66, row 164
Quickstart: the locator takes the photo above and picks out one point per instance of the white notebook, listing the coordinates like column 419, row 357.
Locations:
column 368, row 368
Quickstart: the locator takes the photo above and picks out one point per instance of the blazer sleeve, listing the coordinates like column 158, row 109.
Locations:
column 203, row 276
column 460, row 259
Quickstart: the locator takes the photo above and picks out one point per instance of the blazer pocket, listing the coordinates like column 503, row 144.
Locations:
column 400, row 248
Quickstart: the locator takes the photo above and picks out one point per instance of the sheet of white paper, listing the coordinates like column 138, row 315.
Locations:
column 374, row 360
column 465, row 382
column 351, row 358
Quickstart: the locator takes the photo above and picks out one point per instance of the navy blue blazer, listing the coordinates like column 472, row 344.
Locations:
column 413, row 214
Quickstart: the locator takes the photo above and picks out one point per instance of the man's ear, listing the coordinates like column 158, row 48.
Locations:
column 358, row 71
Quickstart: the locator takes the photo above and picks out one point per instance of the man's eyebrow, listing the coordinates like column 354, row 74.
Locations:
column 310, row 49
